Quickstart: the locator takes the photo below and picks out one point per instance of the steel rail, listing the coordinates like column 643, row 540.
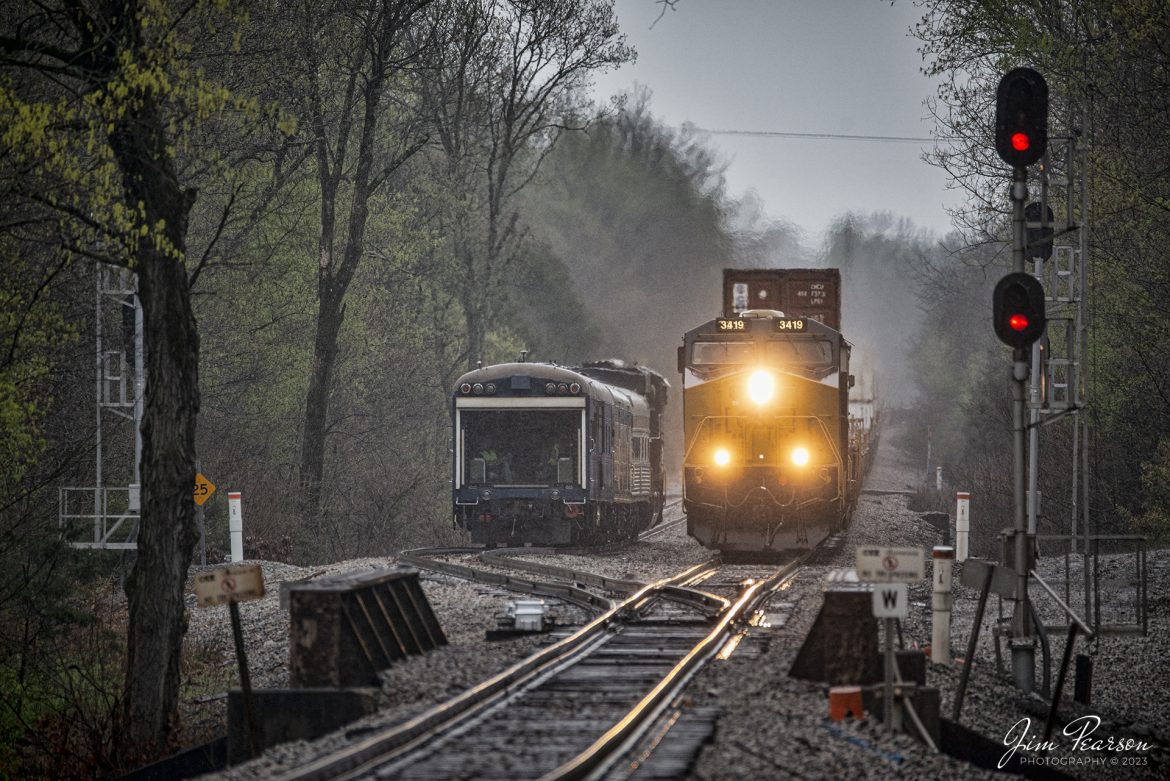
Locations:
column 570, row 593
column 384, row 745
column 614, row 743
column 661, row 528
column 513, row 557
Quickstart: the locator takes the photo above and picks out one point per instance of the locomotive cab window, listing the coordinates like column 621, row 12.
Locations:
column 806, row 352
column 715, row 353
column 520, row 447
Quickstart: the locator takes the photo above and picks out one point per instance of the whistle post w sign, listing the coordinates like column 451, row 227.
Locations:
column 890, row 600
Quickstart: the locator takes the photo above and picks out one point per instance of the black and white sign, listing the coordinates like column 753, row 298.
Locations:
column 890, row 600
column 889, row 565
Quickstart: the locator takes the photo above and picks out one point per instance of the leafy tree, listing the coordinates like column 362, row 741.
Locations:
column 500, row 97
column 344, row 66
column 1105, row 63
column 99, row 102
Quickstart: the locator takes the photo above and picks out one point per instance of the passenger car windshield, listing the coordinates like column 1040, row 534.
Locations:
column 520, row 446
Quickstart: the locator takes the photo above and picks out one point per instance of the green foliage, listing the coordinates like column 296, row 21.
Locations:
column 61, row 658
column 32, row 333
column 1105, row 63
column 1154, row 519
column 638, row 213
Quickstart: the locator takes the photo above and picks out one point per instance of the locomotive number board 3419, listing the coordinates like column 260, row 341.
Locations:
column 785, row 324
column 780, row 324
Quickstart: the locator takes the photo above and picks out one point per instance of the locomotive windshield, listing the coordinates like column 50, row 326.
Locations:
column 803, row 351
column 715, row 353
column 520, row 447
column 812, row 352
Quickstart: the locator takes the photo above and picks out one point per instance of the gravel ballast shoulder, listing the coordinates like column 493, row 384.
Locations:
column 771, row 726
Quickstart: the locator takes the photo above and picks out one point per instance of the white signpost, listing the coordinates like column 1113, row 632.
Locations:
column 962, row 524
column 890, row 570
column 236, row 525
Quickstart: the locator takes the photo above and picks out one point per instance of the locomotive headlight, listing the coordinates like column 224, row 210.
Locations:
column 800, row 456
column 722, row 456
column 761, row 387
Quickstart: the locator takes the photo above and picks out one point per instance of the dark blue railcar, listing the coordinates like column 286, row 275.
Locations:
column 550, row 455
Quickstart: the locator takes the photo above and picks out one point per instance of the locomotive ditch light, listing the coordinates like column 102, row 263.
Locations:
column 722, row 456
column 761, row 387
column 800, row 456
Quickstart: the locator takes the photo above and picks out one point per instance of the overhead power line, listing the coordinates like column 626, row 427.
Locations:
column 825, row 136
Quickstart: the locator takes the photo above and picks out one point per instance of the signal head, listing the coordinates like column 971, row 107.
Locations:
column 1018, row 310
column 1021, row 117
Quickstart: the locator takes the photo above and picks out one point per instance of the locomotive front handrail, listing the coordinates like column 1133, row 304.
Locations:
column 752, row 418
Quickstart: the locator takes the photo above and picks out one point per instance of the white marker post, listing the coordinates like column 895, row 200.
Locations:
column 890, row 602
column 962, row 524
column 236, row 525
column 940, row 636
column 889, row 570
column 938, row 478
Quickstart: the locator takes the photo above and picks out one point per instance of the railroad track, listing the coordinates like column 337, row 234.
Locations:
column 573, row 709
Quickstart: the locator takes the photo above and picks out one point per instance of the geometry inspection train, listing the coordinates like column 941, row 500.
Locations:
column 552, row 455
column 774, row 448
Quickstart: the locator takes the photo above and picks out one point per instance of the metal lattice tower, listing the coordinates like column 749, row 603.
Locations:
column 113, row 511
column 1059, row 362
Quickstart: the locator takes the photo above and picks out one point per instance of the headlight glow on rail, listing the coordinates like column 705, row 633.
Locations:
column 761, row 387
column 800, row 456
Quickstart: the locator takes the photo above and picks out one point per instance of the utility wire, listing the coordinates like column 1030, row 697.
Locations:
column 825, row 136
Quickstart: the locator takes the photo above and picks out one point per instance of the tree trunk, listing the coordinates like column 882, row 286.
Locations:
column 168, row 532
column 330, row 314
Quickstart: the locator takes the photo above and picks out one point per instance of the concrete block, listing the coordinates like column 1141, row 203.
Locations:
column 841, row 648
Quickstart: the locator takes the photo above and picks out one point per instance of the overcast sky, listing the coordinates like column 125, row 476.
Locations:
column 803, row 66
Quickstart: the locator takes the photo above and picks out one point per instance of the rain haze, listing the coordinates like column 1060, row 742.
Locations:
column 842, row 67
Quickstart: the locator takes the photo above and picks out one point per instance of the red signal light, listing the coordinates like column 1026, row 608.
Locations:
column 1021, row 142
column 1018, row 322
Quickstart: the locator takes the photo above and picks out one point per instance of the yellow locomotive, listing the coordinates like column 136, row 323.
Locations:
column 770, row 460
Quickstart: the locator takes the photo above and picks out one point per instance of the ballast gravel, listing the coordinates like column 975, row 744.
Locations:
column 773, row 726
column 770, row 725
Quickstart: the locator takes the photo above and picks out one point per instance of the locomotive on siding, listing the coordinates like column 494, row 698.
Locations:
column 772, row 458
column 552, row 455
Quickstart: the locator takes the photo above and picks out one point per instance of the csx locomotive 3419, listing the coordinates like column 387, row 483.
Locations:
column 548, row 455
column 771, row 461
